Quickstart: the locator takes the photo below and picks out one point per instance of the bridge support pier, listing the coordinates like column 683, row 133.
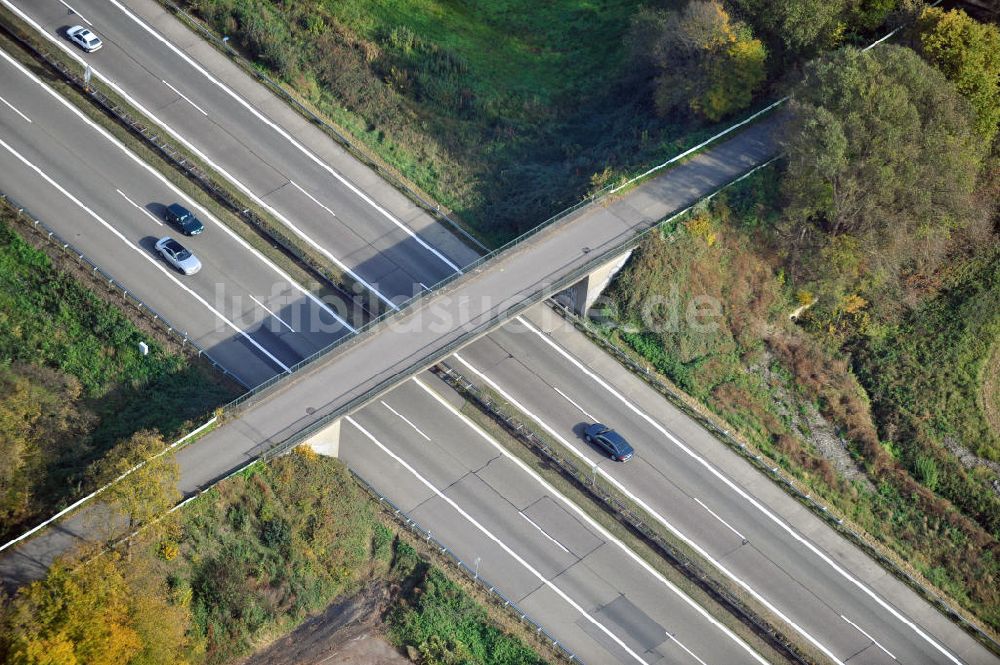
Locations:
column 327, row 440
column 584, row 294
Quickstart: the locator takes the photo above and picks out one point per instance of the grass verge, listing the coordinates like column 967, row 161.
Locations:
column 189, row 173
column 75, row 380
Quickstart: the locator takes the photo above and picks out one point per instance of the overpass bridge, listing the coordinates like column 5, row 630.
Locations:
column 577, row 251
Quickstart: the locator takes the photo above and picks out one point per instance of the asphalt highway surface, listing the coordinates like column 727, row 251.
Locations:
column 543, row 553
column 247, row 314
column 835, row 597
column 332, row 202
column 588, row 591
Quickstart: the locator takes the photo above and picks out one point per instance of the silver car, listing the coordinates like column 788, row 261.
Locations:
column 84, row 38
column 178, row 256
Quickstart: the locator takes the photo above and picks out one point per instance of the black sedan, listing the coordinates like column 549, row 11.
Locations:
column 610, row 441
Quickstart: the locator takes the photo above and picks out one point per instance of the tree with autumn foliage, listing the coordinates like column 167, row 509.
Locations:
column 968, row 53
column 39, row 413
column 102, row 612
column 704, row 63
column 881, row 163
column 147, row 488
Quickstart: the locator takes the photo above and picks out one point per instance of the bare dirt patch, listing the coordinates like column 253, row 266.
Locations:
column 346, row 633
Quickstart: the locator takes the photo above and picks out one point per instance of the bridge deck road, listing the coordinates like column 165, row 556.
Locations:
column 419, row 336
column 468, row 307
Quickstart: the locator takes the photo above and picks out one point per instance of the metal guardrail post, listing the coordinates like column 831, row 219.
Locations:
column 623, row 513
column 402, row 518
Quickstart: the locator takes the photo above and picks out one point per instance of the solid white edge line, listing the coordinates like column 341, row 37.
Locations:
column 405, row 420
column 579, row 408
column 542, row 531
column 311, row 197
column 649, row 509
column 137, row 207
column 724, row 522
column 180, row 194
column 288, row 137
column 185, row 98
column 73, row 11
column 90, row 496
column 733, row 486
column 579, row 512
column 691, row 653
column 874, row 641
column 268, row 310
column 239, row 185
column 486, row 532
column 143, row 254
column 14, row 109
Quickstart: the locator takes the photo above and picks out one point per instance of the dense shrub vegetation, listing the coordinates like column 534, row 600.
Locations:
column 443, row 624
column 706, row 64
column 507, row 111
column 73, row 383
column 884, row 249
column 968, row 53
column 244, row 563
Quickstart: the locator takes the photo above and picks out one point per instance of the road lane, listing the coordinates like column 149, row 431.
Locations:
column 376, row 233
column 815, row 585
column 564, row 569
column 100, row 197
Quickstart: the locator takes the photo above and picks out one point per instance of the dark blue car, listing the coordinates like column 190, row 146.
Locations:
column 610, row 441
column 183, row 219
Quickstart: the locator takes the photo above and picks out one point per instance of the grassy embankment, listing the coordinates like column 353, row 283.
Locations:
column 246, row 563
column 75, row 383
column 506, row 112
column 793, row 392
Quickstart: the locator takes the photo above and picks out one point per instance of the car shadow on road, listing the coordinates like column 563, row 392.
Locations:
column 148, row 243
column 155, row 209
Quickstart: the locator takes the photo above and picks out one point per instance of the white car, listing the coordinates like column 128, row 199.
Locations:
column 84, row 38
column 178, row 256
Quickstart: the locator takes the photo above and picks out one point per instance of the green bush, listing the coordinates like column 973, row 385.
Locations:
column 447, row 627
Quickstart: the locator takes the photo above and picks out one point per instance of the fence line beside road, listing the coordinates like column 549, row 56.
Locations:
column 585, row 480
column 788, row 484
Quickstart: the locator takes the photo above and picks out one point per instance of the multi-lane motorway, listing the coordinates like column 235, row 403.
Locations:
column 275, row 157
column 591, row 593
column 248, row 314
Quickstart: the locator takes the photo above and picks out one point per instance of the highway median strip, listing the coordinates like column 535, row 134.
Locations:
column 889, row 561
column 603, row 503
column 254, row 225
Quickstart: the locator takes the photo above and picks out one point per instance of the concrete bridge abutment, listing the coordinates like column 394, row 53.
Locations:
column 327, row 440
column 581, row 296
